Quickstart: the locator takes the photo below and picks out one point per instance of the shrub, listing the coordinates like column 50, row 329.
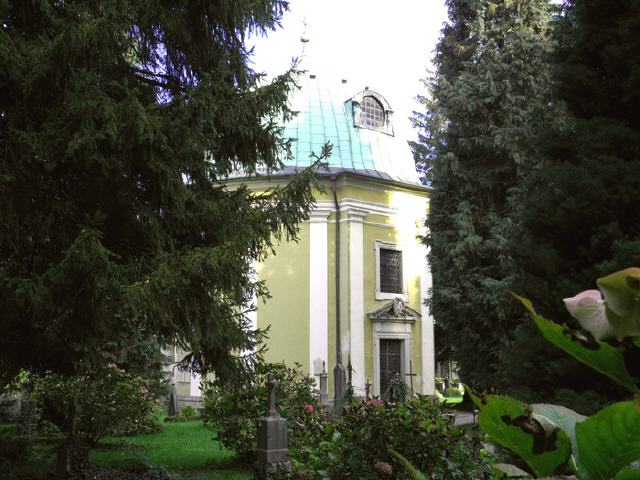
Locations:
column 108, row 401
column 453, row 392
column 188, row 411
column 237, row 410
column 356, row 445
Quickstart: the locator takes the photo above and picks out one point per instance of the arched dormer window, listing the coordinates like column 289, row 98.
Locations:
column 371, row 111
column 372, row 115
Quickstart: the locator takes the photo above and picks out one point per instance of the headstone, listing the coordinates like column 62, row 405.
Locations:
column 28, row 421
column 324, row 386
column 339, row 388
column 73, row 454
column 173, row 402
column 273, row 448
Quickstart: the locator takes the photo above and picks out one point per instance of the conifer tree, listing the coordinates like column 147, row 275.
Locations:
column 119, row 122
column 579, row 218
column 488, row 94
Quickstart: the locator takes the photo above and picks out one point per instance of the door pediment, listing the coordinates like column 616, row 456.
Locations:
column 394, row 311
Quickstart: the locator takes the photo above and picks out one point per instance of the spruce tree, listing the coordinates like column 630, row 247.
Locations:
column 488, row 94
column 119, row 122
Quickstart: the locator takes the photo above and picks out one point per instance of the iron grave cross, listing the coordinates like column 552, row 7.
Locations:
column 411, row 375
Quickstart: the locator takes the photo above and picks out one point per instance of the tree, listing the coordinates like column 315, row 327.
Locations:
column 490, row 91
column 579, row 218
column 119, row 122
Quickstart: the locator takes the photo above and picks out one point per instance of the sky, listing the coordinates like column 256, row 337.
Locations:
column 384, row 45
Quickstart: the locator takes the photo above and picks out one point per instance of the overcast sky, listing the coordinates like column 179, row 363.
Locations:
column 384, row 45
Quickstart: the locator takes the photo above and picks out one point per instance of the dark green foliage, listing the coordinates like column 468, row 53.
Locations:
column 237, row 411
column 356, row 446
column 13, row 449
column 579, row 218
column 489, row 94
column 119, row 123
column 397, row 391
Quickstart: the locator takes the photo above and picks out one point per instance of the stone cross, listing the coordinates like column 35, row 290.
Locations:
column 367, row 390
column 410, row 375
column 273, row 447
column 271, row 396
column 324, row 393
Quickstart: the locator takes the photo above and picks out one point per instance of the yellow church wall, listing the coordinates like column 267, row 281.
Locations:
column 288, row 310
column 286, row 275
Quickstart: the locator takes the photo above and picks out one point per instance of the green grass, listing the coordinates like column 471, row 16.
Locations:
column 453, row 399
column 188, row 450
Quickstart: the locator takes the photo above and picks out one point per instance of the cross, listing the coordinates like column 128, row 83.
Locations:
column 271, row 396
column 367, row 390
column 411, row 375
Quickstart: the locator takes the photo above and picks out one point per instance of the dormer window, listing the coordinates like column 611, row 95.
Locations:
column 371, row 111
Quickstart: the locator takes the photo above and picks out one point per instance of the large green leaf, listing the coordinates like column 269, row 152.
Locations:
column 621, row 292
column 598, row 355
column 609, row 440
column 628, row 475
column 561, row 417
column 510, row 423
column 508, row 470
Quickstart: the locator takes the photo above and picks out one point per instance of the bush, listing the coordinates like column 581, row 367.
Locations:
column 188, row 411
column 453, row 392
column 108, row 400
column 237, row 410
column 356, row 446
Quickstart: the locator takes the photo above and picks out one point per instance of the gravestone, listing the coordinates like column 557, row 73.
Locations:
column 28, row 421
column 273, row 448
column 173, row 402
column 339, row 388
column 324, row 386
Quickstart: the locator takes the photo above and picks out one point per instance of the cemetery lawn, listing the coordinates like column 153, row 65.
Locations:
column 186, row 449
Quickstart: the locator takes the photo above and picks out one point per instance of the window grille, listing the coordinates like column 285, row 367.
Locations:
column 372, row 115
column 390, row 271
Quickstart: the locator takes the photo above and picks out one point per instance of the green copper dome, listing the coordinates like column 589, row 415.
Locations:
column 357, row 123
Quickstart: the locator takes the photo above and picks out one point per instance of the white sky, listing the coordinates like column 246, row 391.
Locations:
column 385, row 45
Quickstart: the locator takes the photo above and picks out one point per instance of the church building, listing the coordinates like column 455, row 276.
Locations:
column 352, row 290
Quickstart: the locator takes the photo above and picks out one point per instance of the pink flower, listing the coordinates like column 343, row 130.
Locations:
column 308, row 408
column 588, row 308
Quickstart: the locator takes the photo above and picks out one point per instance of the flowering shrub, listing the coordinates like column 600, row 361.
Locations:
column 237, row 410
column 356, row 445
column 108, row 401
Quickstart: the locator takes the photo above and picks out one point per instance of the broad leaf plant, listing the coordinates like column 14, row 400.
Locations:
column 555, row 441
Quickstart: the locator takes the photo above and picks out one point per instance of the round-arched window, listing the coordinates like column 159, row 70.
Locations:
column 372, row 112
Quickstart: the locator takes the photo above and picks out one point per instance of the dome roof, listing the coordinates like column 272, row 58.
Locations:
column 335, row 112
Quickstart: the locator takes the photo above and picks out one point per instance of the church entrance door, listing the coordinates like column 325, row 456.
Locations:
column 390, row 361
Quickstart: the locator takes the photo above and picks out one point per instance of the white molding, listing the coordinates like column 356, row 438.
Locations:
column 318, row 288
column 393, row 330
column 379, row 295
column 427, row 343
column 356, row 297
column 352, row 203
column 319, row 215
